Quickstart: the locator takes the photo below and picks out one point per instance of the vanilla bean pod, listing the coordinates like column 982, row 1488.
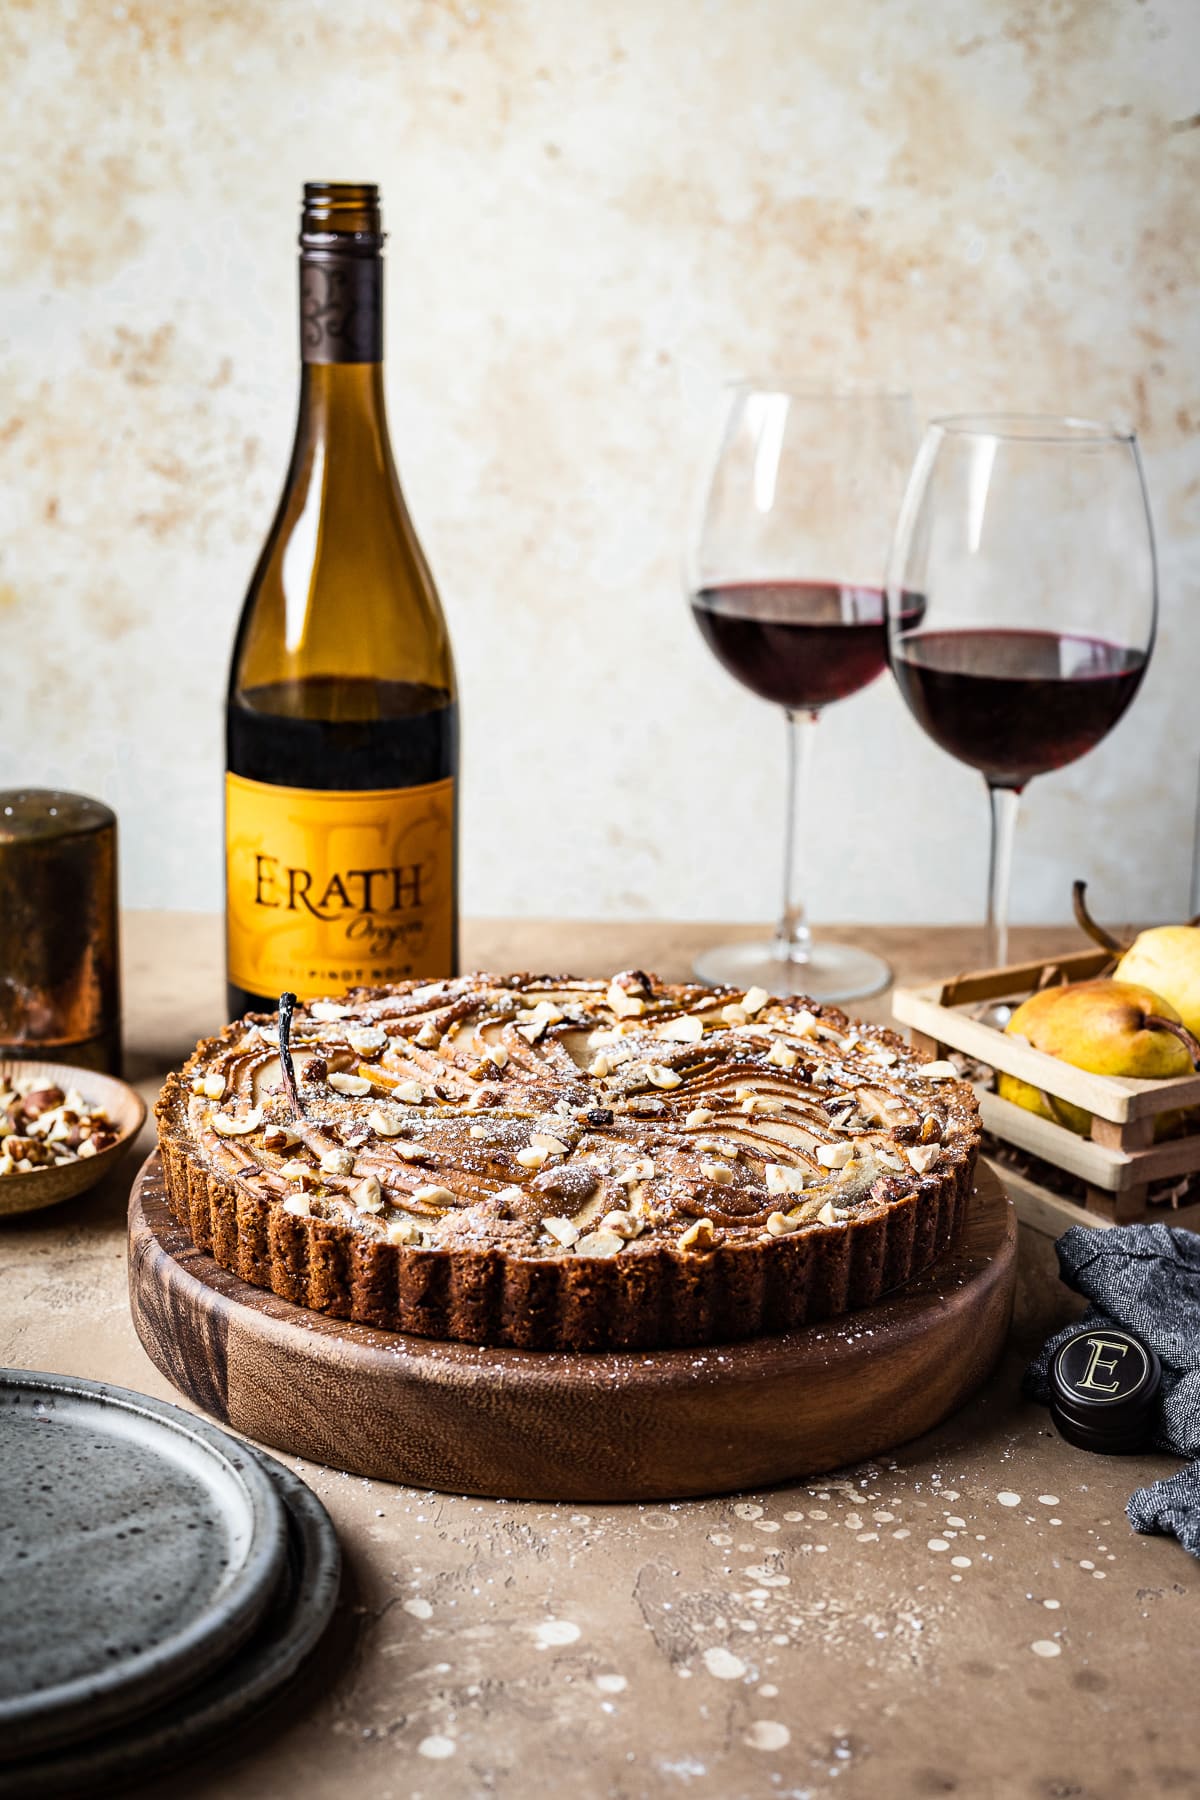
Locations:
column 287, row 1003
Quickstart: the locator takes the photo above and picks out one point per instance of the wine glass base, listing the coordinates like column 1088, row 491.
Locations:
column 831, row 971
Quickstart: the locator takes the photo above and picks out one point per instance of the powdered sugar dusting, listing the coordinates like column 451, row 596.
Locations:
column 553, row 1633
column 766, row 1734
column 723, row 1664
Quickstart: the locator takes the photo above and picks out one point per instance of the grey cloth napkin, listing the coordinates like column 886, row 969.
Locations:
column 1146, row 1278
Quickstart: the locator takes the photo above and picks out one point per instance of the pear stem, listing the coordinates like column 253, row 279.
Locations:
column 1156, row 1022
column 287, row 1004
column 1086, row 923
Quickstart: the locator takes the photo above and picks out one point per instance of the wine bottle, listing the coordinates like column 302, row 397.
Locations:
column 341, row 718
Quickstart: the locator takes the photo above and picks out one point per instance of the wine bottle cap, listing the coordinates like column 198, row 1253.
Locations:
column 341, row 216
column 1104, row 1384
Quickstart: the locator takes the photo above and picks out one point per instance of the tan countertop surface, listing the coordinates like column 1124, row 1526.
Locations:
column 969, row 1615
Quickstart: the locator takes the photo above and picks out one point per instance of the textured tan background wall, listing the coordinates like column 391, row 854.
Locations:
column 598, row 211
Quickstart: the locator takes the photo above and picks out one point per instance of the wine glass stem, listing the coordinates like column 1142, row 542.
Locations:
column 793, row 939
column 1005, row 803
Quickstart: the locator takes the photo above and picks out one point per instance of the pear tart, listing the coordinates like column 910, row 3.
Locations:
column 563, row 1164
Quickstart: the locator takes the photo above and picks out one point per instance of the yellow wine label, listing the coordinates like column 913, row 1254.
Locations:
column 326, row 888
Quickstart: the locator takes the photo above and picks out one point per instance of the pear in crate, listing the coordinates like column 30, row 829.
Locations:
column 1167, row 959
column 1107, row 1027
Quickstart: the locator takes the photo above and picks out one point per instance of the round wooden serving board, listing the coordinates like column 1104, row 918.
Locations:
column 548, row 1425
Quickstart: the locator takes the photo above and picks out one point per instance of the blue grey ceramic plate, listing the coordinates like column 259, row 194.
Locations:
column 206, row 1721
column 139, row 1548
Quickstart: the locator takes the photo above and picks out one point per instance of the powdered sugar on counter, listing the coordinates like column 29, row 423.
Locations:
column 716, row 1638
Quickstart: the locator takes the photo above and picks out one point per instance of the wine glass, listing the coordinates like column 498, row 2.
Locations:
column 1030, row 542
column 785, row 574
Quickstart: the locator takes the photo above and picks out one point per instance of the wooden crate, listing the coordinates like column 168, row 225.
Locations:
column 1119, row 1159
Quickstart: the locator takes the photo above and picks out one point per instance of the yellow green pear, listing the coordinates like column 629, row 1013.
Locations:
column 1167, row 959
column 1102, row 1026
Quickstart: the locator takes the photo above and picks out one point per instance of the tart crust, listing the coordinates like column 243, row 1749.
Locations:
column 479, row 1274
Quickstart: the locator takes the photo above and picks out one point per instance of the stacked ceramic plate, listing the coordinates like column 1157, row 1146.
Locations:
column 160, row 1582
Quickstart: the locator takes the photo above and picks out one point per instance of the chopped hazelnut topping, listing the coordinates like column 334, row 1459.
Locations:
column 782, row 1180
column 563, row 1230
column 297, row 1204
column 385, row 1124
column 532, row 1024
column 403, row 1231
column 641, row 1170
column 353, row 1085
column 700, row 1115
column 533, row 1157
column 368, row 1195
column 687, row 1029
column 699, row 1236
column 753, row 1001
column 337, row 1162
column 600, row 1243
column 937, row 1071
column 227, row 1125
column 780, row 1225
column 623, row 1003
column 624, row 1224
column 719, row 1173
column 834, row 1156
column 278, row 1137
column 781, row 1056
column 551, row 1145
column 214, row 1086
column 434, row 1196
column 662, row 1077
column 327, row 1012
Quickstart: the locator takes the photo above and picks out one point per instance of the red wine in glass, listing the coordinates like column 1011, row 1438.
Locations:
column 802, row 644
column 1015, row 704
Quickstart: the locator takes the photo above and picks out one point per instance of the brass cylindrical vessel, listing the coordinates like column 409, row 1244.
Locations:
column 59, row 955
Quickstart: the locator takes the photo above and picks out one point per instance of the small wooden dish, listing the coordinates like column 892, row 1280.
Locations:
column 46, row 1187
column 1119, row 1158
